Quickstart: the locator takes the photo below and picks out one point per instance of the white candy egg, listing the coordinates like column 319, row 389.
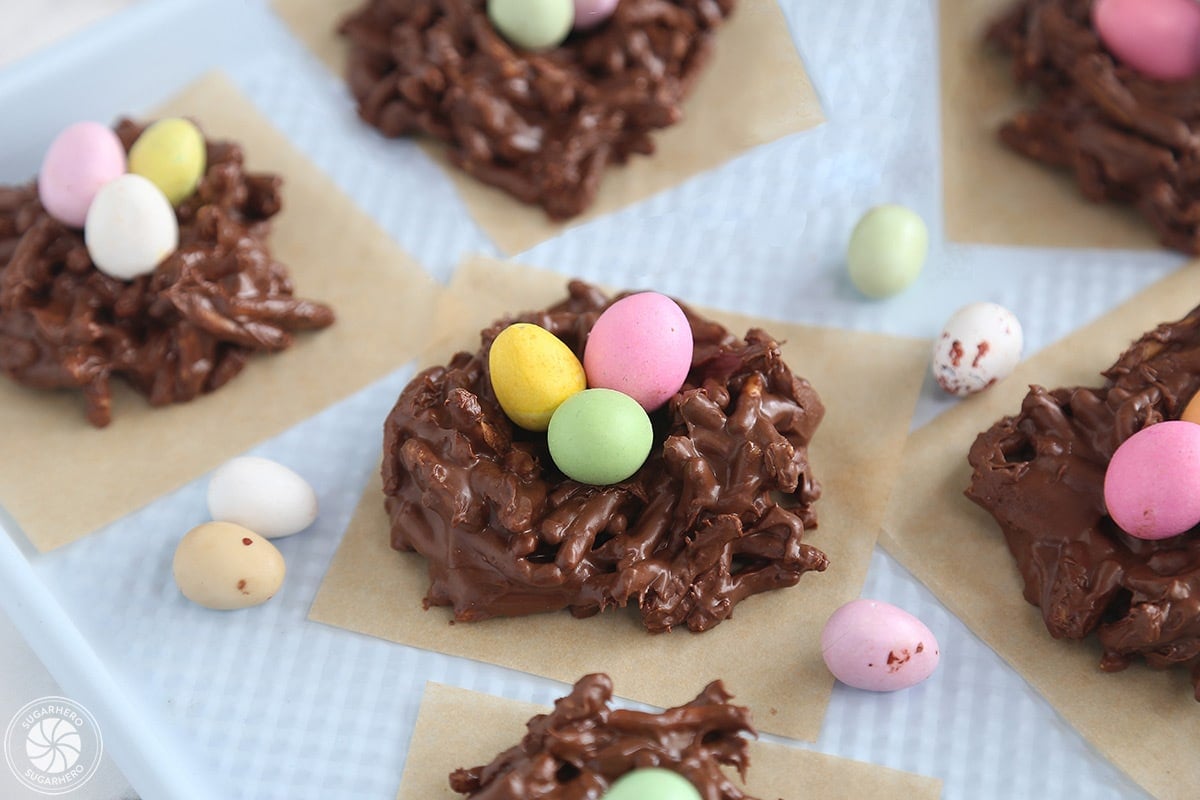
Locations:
column 130, row 227
column 980, row 345
column 262, row 495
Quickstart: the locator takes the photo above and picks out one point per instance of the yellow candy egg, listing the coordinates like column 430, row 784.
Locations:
column 533, row 372
column 171, row 155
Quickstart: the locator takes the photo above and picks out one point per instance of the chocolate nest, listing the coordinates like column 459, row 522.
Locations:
column 184, row 330
column 716, row 514
column 583, row 746
column 541, row 126
column 1127, row 138
column 1041, row 475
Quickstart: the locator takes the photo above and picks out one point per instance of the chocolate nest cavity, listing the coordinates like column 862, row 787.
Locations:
column 541, row 126
column 1127, row 138
column 583, row 746
column 1041, row 475
column 184, row 330
column 715, row 515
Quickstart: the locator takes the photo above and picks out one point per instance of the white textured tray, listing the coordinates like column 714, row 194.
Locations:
column 264, row 704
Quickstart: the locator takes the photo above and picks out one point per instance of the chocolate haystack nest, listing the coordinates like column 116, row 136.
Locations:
column 1126, row 137
column 186, row 329
column 541, row 126
column 583, row 746
column 716, row 514
column 1041, row 475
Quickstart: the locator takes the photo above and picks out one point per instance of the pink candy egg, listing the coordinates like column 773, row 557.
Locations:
column 80, row 160
column 872, row 645
column 1158, row 38
column 1152, row 486
column 641, row 345
column 590, row 13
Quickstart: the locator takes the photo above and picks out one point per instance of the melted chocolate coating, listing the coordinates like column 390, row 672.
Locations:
column 716, row 514
column 184, row 330
column 1126, row 137
column 541, row 126
column 578, row 750
column 1041, row 475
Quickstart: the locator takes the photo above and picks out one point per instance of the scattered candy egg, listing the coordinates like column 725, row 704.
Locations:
column 171, row 155
column 591, row 13
column 81, row 159
column 1158, row 38
column 641, row 345
column 887, row 250
column 224, row 566
column 261, row 495
column 599, row 436
column 1191, row 412
column 652, row 783
column 980, row 345
column 532, row 372
column 872, row 645
column 1152, row 484
column 130, row 227
column 532, row 24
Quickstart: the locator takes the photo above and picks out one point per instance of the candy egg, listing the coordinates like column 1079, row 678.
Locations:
column 887, row 250
column 532, row 24
column 872, row 645
column 591, row 13
column 532, row 373
column 263, row 496
column 1152, row 484
column 171, row 155
column 130, row 228
column 80, row 160
column 652, row 783
column 224, row 566
column 641, row 345
column 980, row 345
column 599, row 436
column 1158, row 38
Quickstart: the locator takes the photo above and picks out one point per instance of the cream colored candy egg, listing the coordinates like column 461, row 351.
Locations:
column 130, row 228
column 171, row 155
column 263, row 495
column 224, row 566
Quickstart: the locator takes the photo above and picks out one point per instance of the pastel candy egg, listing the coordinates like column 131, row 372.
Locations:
column 872, row 645
column 532, row 24
column 81, row 159
column 261, row 495
column 171, row 155
column 532, row 373
column 642, row 346
column 1152, row 484
column 599, row 436
column 887, row 250
column 224, row 566
column 130, row 228
column 1158, row 38
column 652, row 783
column 591, row 13
column 980, row 345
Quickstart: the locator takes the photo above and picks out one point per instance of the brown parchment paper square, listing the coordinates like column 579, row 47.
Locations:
column 754, row 91
column 459, row 728
column 60, row 478
column 1144, row 721
column 991, row 194
column 770, row 650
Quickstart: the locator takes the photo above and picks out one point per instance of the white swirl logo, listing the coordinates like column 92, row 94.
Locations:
column 53, row 745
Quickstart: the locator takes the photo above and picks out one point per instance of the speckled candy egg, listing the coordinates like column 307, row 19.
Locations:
column 592, row 13
column 642, row 346
column 980, row 345
column 80, row 160
column 532, row 373
column 224, row 566
column 600, row 437
column 262, row 495
column 1158, row 38
column 872, row 645
column 532, row 24
column 887, row 250
column 130, row 228
column 171, row 155
column 1152, row 484
column 652, row 783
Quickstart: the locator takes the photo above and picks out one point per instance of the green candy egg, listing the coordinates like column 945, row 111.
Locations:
column 652, row 783
column 887, row 250
column 533, row 24
column 171, row 155
column 599, row 436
